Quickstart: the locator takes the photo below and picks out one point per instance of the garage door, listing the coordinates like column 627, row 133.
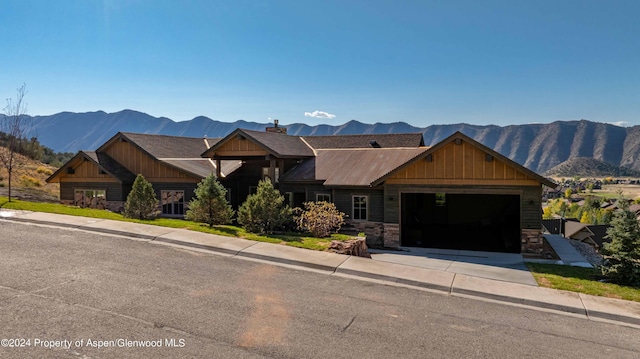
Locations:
column 479, row 222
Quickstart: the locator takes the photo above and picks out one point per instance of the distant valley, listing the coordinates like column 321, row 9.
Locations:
column 539, row 147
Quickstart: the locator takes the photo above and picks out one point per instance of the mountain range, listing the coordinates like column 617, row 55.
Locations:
column 538, row 147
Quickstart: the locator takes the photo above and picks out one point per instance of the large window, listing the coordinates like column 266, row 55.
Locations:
column 172, row 202
column 90, row 198
column 360, row 207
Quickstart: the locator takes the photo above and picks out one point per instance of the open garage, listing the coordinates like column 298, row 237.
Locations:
column 479, row 222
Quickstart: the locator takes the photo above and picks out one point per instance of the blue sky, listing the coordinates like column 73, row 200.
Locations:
column 422, row 62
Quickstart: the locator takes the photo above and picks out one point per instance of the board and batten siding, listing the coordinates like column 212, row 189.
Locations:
column 461, row 164
column 237, row 147
column 139, row 162
column 86, row 171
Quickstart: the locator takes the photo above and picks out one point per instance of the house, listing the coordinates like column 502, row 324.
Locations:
column 456, row 194
column 579, row 232
column 103, row 178
column 571, row 228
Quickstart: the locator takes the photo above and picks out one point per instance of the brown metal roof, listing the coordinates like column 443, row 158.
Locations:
column 202, row 167
column 365, row 141
column 351, row 167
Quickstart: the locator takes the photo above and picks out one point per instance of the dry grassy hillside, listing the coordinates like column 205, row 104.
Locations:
column 28, row 181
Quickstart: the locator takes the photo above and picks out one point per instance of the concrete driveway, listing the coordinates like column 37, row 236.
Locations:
column 507, row 267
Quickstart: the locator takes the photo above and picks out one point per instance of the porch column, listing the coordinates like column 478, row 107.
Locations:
column 272, row 170
column 218, row 169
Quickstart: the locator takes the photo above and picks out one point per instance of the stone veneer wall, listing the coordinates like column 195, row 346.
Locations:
column 373, row 230
column 391, row 235
column 532, row 241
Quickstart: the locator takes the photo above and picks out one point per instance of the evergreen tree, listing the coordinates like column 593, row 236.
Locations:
column 264, row 211
column 210, row 204
column 141, row 201
column 622, row 254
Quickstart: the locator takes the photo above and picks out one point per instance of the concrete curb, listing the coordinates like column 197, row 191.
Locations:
column 196, row 245
column 390, row 273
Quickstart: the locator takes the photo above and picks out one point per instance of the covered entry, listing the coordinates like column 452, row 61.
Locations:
column 480, row 222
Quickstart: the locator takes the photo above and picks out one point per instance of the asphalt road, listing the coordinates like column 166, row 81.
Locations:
column 97, row 296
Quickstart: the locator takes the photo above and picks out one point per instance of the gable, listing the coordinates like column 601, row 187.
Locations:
column 462, row 163
column 240, row 146
column 139, row 162
column 244, row 143
column 85, row 171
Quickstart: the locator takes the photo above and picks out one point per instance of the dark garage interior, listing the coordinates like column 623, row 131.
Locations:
column 478, row 222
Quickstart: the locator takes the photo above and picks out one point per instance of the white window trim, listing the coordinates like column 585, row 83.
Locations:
column 323, row 194
column 353, row 209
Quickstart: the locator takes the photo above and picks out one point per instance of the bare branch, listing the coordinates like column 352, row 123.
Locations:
column 14, row 126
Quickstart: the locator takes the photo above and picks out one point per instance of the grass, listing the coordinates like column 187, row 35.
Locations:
column 582, row 280
column 291, row 239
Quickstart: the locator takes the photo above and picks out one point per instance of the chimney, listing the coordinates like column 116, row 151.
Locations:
column 276, row 129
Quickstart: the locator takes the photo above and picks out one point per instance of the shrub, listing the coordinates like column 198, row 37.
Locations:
column 44, row 170
column 29, row 181
column 264, row 211
column 210, row 204
column 622, row 255
column 141, row 201
column 320, row 219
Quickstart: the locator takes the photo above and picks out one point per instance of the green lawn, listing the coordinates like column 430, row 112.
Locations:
column 291, row 239
column 582, row 280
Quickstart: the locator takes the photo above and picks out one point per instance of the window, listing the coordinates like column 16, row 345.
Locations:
column 323, row 197
column 90, row 198
column 360, row 207
column 441, row 199
column 265, row 174
column 172, row 202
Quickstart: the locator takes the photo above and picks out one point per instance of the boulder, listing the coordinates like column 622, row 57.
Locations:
column 352, row 247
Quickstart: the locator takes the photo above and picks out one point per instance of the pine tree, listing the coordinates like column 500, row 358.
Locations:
column 141, row 201
column 622, row 254
column 264, row 211
column 210, row 204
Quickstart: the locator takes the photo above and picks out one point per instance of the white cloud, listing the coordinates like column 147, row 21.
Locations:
column 319, row 114
column 621, row 123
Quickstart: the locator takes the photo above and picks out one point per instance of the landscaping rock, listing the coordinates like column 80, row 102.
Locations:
column 354, row 247
column 588, row 252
